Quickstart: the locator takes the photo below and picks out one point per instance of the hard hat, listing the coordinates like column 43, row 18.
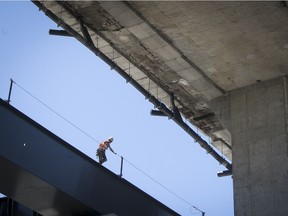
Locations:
column 110, row 139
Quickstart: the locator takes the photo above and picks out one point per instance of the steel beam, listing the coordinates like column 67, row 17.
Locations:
column 48, row 175
column 59, row 33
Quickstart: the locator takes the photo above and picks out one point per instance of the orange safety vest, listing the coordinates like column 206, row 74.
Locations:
column 104, row 145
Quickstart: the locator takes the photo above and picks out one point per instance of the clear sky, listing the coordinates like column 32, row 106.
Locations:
column 72, row 81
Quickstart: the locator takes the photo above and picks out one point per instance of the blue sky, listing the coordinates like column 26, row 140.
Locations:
column 71, row 80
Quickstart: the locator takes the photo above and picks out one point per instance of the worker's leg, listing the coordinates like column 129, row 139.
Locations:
column 104, row 158
column 101, row 156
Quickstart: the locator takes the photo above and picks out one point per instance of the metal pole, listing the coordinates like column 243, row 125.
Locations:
column 10, row 207
column 10, row 90
column 121, row 168
column 59, row 33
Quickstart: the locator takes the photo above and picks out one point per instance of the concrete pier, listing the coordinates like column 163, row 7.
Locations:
column 257, row 118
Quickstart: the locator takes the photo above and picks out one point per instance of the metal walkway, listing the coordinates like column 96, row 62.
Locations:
column 44, row 173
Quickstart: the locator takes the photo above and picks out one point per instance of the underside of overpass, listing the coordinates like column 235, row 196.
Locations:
column 195, row 51
column 221, row 66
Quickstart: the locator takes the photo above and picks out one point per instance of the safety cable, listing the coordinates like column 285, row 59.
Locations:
column 56, row 112
column 75, row 126
column 162, row 185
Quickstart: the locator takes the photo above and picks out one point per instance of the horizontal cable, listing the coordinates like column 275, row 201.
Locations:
column 69, row 122
column 56, row 112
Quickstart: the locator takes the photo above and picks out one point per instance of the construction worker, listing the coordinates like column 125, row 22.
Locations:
column 103, row 146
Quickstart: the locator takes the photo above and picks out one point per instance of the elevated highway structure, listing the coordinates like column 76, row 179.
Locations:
column 222, row 66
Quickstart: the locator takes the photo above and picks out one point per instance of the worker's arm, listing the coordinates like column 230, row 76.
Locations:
column 111, row 149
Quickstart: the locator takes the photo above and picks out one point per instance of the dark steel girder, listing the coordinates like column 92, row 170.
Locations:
column 51, row 177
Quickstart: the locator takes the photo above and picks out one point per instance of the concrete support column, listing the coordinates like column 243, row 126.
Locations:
column 258, row 125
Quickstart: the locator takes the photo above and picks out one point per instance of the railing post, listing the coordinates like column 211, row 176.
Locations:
column 121, row 168
column 10, row 90
column 10, row 207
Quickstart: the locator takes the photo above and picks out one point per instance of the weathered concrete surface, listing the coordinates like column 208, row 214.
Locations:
column 224, row 61
column 195, row 50
column 257, row 117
